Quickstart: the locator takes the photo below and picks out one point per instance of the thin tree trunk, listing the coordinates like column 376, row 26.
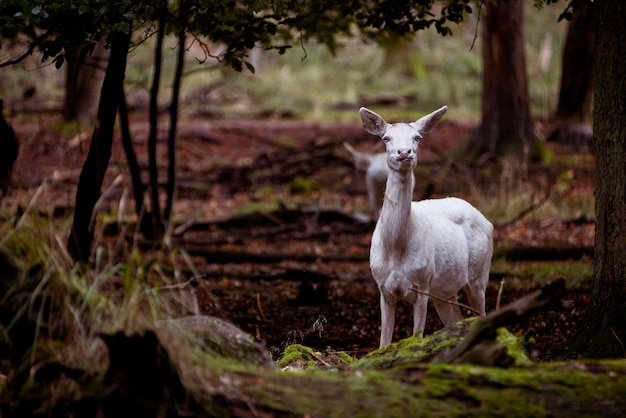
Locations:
column 157, row 220
column 603, row 331
column 131, row 158
column 506, row 126
column 171, row 139
column 96, row 164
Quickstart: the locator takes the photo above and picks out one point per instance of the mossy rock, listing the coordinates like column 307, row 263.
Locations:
column 216, row 338
column 423, row 350
column 297, row 356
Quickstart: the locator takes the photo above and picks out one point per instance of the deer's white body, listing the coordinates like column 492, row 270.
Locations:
column 376, row 171
column 438, row 246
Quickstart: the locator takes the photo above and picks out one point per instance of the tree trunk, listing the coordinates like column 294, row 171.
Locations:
column 133, row 168
column 95, row 166
column 9, row 150
column 171, row 139
column 83, row 81
column 153, row 167
column 506, row 126
column 576, row 91
column 603, row 331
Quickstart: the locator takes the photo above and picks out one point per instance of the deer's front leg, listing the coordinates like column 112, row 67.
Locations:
column 388, row 319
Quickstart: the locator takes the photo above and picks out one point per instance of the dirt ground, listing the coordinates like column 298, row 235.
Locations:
column 267, row 211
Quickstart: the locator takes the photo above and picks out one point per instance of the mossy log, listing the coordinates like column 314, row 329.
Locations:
column 174, row 376
column 204, row 367
column 398, row 381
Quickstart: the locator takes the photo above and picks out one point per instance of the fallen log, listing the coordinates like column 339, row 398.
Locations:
column 541, row 253
column 191, row 383
column 204, row 368
column 226, row 256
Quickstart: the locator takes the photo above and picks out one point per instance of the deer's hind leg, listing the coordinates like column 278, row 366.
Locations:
column 449, row 313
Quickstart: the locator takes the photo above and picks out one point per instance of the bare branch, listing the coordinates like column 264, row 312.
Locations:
column 28, row 52
column 415, row 289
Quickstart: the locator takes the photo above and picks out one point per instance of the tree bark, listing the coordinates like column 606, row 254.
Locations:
column 603, row 331
column 506, row 126
column 133, row 167
column 153, row 168
column 171, row 139
column 83, row 82
column 9, row 150
column 96, row 164
column 576, row 91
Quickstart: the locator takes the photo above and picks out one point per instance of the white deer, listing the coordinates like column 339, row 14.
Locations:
column 376, row 170
column 437, row 246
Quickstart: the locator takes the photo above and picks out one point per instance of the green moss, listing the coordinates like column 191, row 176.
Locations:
column 296, row 354
column 64, row 127
column 264, row 192
column 301, row 186
column 514, row 347
column 286, row 142
column 541, row 153
column 412, row 350
column 345, row 358
column 255, row 207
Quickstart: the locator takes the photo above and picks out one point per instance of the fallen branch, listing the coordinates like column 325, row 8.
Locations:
column 500, row 289
column 478, row 346
column 415, row 289
column 272, row 323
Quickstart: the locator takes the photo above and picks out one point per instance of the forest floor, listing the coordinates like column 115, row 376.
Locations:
column 273, row 216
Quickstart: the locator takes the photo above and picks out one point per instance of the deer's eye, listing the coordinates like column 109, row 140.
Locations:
column 386, row 138
column 417, row 138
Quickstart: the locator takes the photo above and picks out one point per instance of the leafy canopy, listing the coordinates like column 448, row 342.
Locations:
column 55, row 26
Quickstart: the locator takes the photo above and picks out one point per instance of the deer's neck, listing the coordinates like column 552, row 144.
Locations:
column 395, row 217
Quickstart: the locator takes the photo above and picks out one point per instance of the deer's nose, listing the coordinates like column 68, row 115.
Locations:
column 404, row 152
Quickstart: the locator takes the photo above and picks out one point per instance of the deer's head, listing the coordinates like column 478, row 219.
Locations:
column 401, row 139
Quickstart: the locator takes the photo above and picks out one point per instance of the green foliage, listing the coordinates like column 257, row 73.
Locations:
column 301, row 186
column 570, row 7
column 65, row 25
column 239, row 25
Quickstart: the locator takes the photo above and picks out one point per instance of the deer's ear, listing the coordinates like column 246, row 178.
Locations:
column 373, row 122
column 429, row 122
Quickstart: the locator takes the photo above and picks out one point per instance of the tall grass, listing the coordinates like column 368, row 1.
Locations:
column 68, row 314
column 69, row 305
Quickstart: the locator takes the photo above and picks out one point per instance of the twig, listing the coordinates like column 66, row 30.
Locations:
column 499, row 294
column 33, row 45
column 532, row 207
column 480, row 8
column 415, row 289
column 258, row 304
column 619, row 341
column 318, row 357
column 193, row 282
